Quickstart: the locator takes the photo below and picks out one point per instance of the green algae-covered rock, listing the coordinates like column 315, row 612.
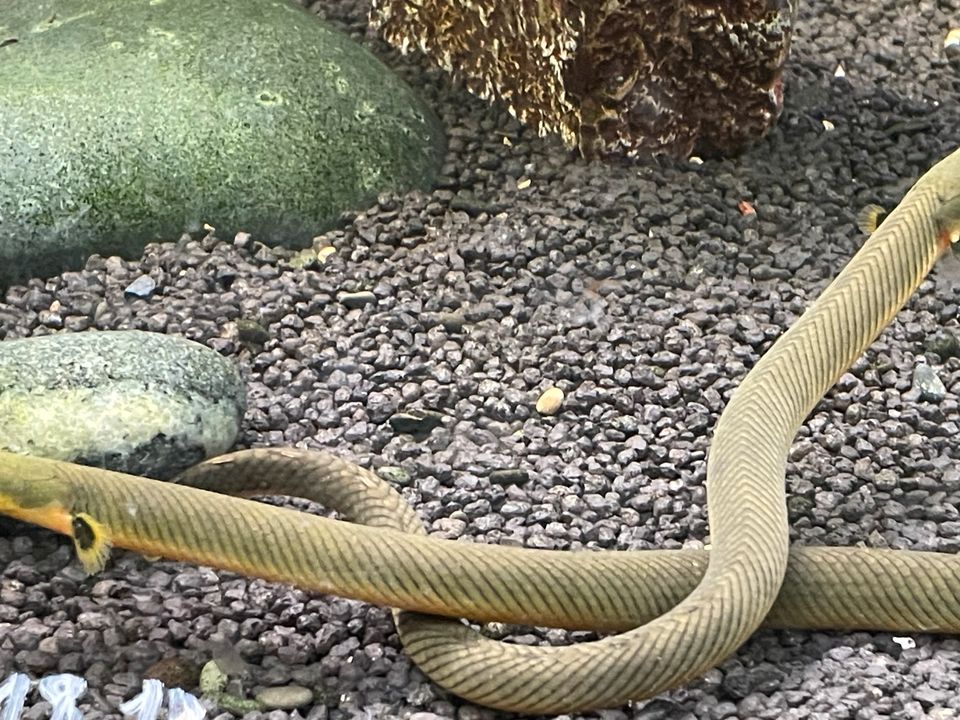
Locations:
column 127, row 400
column 128, row 121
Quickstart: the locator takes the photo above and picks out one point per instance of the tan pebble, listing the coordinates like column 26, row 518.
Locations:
column 550, row 401
column 285, row 698
column 324, row 252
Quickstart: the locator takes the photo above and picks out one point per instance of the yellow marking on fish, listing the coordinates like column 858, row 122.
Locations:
column 90, row 538
column 870, row 217
column 52, row 516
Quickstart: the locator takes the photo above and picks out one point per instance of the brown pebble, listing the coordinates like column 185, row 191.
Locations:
column 175, row 671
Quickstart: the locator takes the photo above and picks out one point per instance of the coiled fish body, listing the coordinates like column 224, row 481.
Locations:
column 698, row 607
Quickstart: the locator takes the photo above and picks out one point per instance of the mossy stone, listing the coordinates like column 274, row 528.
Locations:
column 126, row 400
column 129, row 121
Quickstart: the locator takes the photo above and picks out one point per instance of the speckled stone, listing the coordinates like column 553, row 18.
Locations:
column 132, row 401
column 160, row 116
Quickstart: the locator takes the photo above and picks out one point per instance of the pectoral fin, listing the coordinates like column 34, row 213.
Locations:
column 870, row 217
column 91, row 541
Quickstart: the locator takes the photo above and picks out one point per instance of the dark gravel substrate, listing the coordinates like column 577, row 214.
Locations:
column 642, row 292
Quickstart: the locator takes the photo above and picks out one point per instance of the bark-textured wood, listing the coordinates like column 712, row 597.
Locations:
column 630, row 77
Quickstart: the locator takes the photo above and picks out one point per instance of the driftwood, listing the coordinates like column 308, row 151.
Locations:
column 629, row 77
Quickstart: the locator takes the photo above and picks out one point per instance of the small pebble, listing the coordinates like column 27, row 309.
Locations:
column 250, row 331
column 945, row 344
column 452, row 321
column 355, row 300
column 288, row 697
column 418, row 423
column 509, row 476
column 550, row 401
column 926, row 380
column 142, row 287
column 175, row 671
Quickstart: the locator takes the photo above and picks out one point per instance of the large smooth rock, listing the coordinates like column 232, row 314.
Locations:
column 127, row 400
column 129, row 121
